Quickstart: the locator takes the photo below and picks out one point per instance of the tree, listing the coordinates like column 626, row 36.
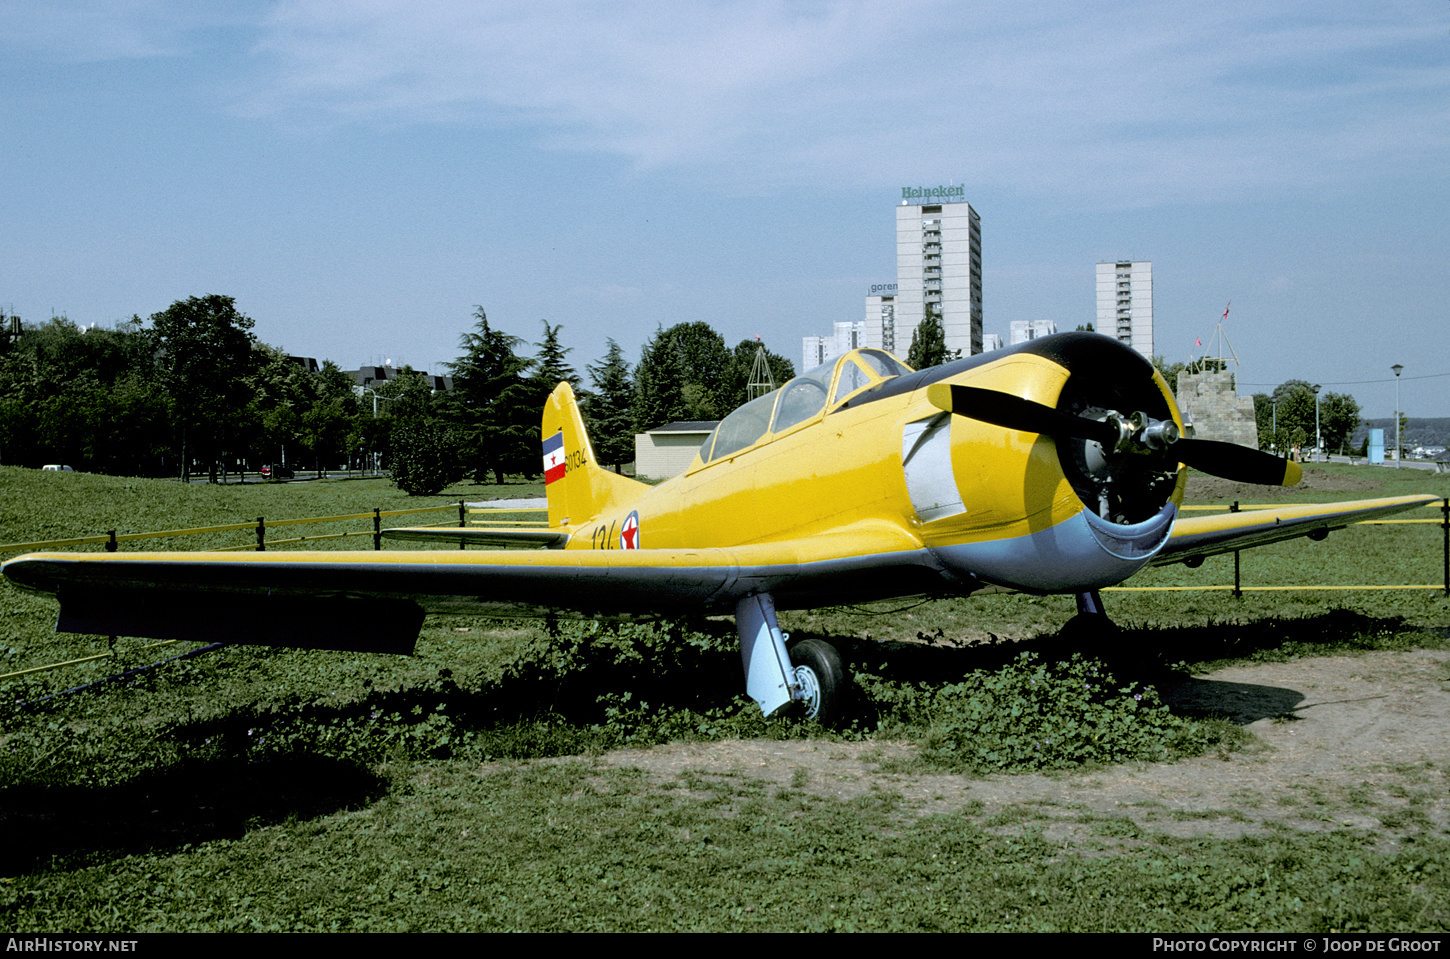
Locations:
column 486, row 400
column 1264, row 420
column 1338, row 419
column 928, row 344
column 1291, row 407
column 328, row 420
column 206, row 355
column 298, row 414
column 659, row 381
column 278, row 398
column 409, row 397
column 87, row 397
column 682, row 375
column 423, row 458
column 610, row 409
column 521, row 407
column 703, row 358
column 550, row 368
column 1289, row 413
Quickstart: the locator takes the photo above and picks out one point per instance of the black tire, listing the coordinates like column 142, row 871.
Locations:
column 819, row 667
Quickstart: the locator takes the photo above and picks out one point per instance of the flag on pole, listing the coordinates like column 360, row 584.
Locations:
column 1198, row 341
column 1225, row 309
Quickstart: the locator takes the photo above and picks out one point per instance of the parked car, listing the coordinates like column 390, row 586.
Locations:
column 56, row 468
column 277, row 472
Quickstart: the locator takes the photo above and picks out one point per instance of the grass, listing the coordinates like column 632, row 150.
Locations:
column 572, row 847
column 38, row 506
column 258, row 788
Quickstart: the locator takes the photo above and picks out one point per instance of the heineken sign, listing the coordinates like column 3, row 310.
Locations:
column 941, row 194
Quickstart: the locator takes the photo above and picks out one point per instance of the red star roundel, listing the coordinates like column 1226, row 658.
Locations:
column 629, row 532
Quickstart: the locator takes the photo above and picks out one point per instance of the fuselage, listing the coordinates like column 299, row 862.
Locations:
column 986, row 504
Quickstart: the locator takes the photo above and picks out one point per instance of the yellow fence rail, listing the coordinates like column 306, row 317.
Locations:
column 84, row 659
column 111, row 538
column 1238, row 589
column 498, row 511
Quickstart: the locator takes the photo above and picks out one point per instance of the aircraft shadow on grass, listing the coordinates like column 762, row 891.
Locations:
column 64, row 826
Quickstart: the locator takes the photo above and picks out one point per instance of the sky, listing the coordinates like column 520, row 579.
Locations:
column 361, row 176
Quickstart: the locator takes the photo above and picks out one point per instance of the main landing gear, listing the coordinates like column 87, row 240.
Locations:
column 810, row 674
column 1090, row 629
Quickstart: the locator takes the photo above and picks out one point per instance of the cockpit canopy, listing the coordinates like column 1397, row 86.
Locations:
column 802, row 400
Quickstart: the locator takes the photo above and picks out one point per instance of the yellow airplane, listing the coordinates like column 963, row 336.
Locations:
column 1054, row 467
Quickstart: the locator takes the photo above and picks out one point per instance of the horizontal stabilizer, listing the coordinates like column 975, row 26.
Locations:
column 553, row 538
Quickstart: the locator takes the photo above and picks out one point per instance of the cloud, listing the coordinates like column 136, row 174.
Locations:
column 1129, row 102
column 1130, row 98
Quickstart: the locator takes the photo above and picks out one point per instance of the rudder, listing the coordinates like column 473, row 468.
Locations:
column 577, row 487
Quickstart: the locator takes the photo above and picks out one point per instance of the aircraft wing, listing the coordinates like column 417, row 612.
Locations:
column 1225, row 532
column 375, row 601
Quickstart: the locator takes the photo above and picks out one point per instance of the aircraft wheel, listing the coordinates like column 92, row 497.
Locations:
column 819, row 670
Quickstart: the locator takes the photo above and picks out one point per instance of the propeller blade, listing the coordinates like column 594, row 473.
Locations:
column 1227, row 460
column 1015, row 413
column 1238, row 463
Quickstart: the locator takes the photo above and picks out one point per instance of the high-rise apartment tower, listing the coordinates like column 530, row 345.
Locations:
column 939, row 267
column 1125, row 303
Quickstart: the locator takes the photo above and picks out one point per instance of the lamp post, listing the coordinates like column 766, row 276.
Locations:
column 1318, row 445
column 1398, row 369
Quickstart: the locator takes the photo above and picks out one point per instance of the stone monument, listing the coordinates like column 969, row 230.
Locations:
column 1212, row 410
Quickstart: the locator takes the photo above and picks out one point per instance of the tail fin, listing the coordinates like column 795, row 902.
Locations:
column 578, row 488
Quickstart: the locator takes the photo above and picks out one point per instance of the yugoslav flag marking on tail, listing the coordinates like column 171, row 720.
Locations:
column 554, row 462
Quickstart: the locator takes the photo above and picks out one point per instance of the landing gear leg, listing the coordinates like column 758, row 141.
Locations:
column 768, row 676
column 1091, row 604
column 1090, row 629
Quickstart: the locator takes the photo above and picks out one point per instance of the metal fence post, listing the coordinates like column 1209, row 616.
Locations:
column 1238, row 590
column 462, row 522
column 111, row 544
column 377, row 528
column 261, row 535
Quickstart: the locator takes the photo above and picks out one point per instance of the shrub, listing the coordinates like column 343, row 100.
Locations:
column 1032, row 714
column 424, row 459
